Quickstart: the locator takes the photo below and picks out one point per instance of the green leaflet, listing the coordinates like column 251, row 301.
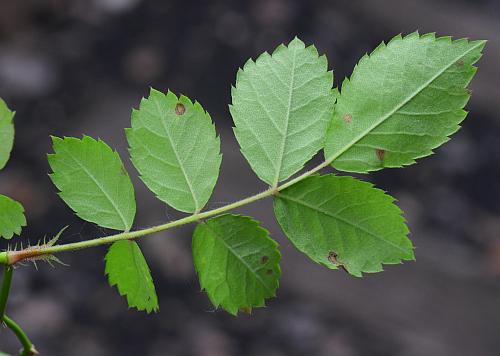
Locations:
column 6, row 133
column 93, row 182
column 282, row 104
column 128, row 270
column 236, row 261
column 401, row 102
column 12, row 217
column 174, row 147
column 341, row 221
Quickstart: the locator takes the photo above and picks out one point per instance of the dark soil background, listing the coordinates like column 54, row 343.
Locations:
column 73, row 67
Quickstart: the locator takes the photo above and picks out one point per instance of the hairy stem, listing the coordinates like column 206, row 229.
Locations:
column 28, row 348
column 12, row 257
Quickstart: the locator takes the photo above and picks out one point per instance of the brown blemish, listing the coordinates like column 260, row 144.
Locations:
column 460, row 63
column 247, row 310
column 180, row 109
column 332, row 257
column 347, row 118
column 342, row 267
column 380, row 154
column 264, row 259
column 269, row 271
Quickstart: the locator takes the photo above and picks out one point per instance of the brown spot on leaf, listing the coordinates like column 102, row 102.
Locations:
column 180, row 109
column 264, row 259
column 332, row 257
column 247, row 310
column 380, row 154
column 269, row 271
column 347, row 118
column 460, row 63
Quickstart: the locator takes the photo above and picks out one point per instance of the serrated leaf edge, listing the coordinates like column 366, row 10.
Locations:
column 295, row 44
column 390, row 199
column 383, row 45
column 258, row 226
column 51, row 156
column 196, row 105
column 124, row 294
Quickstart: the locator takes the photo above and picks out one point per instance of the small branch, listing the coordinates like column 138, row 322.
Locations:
column 32, row 253
column 28, row 347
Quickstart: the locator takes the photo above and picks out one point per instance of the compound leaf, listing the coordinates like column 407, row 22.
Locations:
column 6, row 133
column 281, row 106
column 128, row 270
column 12, row 217
column 236, row 261
column 93, row 182
column 342, row 221
column 401, row 102
column 174, row 147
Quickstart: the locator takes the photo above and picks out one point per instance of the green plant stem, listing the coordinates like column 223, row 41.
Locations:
column 4, row 291
column 28, row 348
column 12, row 257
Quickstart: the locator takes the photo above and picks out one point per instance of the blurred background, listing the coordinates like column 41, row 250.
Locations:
column 73, row 67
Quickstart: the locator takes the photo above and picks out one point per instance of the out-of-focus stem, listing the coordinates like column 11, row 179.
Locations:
column 28, row 347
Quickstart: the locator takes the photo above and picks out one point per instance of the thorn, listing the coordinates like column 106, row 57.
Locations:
column 57, row 260
column 55, row 238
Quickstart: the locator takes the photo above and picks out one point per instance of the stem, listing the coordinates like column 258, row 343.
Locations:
column 28, row 348
column 4, row 292
column 12, row 257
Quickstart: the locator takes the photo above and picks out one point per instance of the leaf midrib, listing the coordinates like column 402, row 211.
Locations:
column 184, row 173
column 285, row 135
column 96, row 182
column 398, row 107
column 334, row 216
column 254, row 272
column 143, row 277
